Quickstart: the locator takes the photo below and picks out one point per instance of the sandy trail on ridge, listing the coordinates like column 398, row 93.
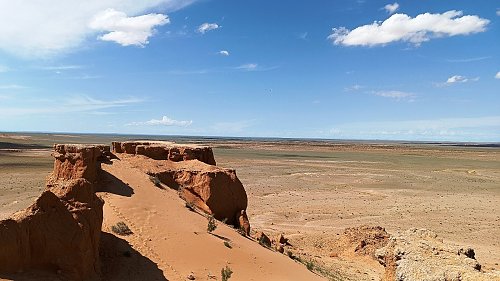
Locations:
column 176, row 239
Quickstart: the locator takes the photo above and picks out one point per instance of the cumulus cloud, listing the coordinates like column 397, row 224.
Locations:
column 391, row 8
column 125, row 30
column 205, row 27
column 401, row 27
column 456, row 79
column 34, row 29
column 224, row 53
column 398, row 95
column 164, row 121
column 497, row 76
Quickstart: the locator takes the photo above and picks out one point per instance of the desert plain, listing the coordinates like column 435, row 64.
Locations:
column 311, row 190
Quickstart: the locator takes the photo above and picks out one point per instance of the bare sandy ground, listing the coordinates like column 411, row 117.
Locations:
column 176, row 239
column 310, row 192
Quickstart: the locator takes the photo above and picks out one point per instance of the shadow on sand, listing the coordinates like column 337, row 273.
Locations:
column 111, row 184
column 119, row 261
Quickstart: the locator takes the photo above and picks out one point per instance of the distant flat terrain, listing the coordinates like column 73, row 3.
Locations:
column 312, row 190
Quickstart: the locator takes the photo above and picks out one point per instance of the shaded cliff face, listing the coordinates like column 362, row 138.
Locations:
column 60, row 232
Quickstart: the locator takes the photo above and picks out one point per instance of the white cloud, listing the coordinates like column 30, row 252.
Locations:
column 401, row 27
column 455, row 79
column 224, row 53
column 398, row 95
column 207, row 27
column 391, row 8
column 498, row 13
column 34, row 29
column 497, row 76
column 165, row 121
column 125, row 30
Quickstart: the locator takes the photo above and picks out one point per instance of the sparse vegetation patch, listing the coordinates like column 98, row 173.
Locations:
column 212, row 224
column 226, row 273
column 121, row 228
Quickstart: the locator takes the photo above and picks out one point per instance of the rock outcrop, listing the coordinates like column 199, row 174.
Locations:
column 161, row 150
column 214, row 190
column 361, row 240
column 418, row 254
column 60, row 232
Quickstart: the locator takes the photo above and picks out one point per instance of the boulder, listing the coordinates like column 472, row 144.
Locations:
column 418, row 254
column 243, row 222
column 262, row 238
column 60, row 232
column 280, row 239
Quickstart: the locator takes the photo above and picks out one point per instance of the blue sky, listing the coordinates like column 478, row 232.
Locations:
column 346, row 69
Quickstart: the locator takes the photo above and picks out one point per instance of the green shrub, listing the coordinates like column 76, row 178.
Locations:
column 212, row 224
column 226, row 273
column 121, row 228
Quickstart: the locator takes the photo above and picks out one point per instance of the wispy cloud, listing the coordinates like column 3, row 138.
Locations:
column 124, row 30
column 469, row 59
column 61, row 67
column 3, row 68
column 472, row 128
column 401, row 27
column 205, row 27
column 457, row 79
column 254, row 67
column 190, row 72
column 497, row 76
column 164, row 121
column 391, row 8
column 224, row 53
column 77, row 103
column 12, row 87
column 303, row 35
column 248, row 66
column 397, row 95
column 498, row 13
column 353, row 88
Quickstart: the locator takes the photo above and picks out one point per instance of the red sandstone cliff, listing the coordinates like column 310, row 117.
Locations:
column 60, row 232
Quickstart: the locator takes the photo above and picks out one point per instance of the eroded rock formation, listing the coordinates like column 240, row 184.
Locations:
column 214, row 190
column 161, row 150
column 60, row 232
column 418, row 254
